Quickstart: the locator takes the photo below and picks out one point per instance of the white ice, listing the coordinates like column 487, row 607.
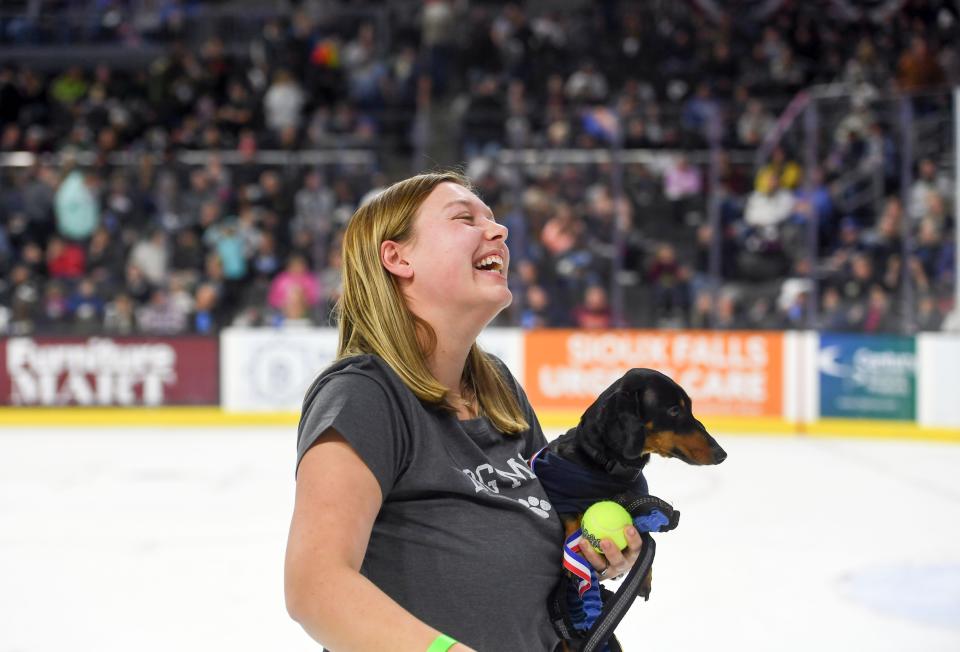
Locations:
column 173, row 539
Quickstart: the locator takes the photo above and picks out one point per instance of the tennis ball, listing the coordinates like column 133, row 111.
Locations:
column 605, row 520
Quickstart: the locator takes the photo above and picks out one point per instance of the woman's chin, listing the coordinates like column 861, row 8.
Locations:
column 507, row 298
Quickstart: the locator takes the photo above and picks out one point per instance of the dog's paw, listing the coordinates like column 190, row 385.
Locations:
column 536, row 505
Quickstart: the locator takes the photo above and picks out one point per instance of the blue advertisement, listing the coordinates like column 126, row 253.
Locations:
column 868, row 376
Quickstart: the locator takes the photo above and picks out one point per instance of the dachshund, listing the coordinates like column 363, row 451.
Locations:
column 603, row 457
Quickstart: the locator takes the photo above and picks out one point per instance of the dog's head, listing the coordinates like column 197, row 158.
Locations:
column 646, row 412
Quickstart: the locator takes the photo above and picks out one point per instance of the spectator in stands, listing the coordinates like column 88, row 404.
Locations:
column 23, row 296
column 437, row 41
column 754, row 124
column 180, row 294
column 930, row 182
column 85, row 308
column 65, row 260
column 593, row 312
column 847, row 244
column 855, row 125
column 682, row 183
column 187, row 254
column 161, row 316
column 587, row 84
column 151, row 256
column 812, row 200
column 884, row 241
column 119, row 317
column 76, row 206
column 726, row 315
column 833, row 315
column 700, row 114
column 562, row 233
column 206, row 316
column 866, row 67
column 793, row 300
column 929, row 253
column 38, row 203
column 104, row 257
column 669, row 281
column 366, row 71
column 295, row 312
column 877, row 317
column 855, row 282
column 70, row 86
column 483, row 123
column 137, row 285
column 283, row 103
column 781, row 171
column 701, row 313
column 331, row 278
column 229, row 244
column 761, row 315
column 928, row 317
column 537, row 309
column 238, row 111
column 768, row 207
column 918, row 68
column 296, row 274
column 199, row 204
column 314, row 204
column 54, row 313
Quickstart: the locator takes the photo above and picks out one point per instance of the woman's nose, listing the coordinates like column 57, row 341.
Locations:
column 497, row 231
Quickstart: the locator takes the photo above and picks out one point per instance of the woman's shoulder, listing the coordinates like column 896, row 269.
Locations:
column 355, row 373
column 367, row 365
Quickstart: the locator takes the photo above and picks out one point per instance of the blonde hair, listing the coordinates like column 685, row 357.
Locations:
column 373, row 317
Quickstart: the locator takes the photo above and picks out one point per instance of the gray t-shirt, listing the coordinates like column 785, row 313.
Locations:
column 465, row 539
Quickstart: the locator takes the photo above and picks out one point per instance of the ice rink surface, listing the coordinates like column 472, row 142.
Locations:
column 172, row 539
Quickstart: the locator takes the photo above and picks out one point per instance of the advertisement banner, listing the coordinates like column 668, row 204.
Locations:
column 725, row 373
column 871, row 377
column 108, row 371
column 269, row 370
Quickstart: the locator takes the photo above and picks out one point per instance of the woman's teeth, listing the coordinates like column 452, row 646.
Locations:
column 490, row 263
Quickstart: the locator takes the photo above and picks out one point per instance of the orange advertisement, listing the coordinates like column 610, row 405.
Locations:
column 738, row 373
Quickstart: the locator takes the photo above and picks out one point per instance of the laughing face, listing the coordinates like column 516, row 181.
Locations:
column 457, row 259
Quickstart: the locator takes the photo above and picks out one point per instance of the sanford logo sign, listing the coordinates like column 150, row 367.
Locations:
column 98, row 371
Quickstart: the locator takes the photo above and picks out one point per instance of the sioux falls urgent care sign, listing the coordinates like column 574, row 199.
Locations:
column 103, row 371
column 725, row 373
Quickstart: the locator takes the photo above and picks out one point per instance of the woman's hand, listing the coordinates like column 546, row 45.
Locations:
column 613, row 562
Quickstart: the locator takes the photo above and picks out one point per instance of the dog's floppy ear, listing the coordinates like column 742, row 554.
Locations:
column 612, row 427
column 625, row 430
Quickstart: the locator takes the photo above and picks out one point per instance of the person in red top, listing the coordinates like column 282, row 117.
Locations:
column 65, row 259
column 594, row 312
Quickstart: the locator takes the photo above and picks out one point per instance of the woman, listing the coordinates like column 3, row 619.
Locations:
column 417, row 522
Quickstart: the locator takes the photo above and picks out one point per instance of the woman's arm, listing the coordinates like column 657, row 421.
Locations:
column 337, row 500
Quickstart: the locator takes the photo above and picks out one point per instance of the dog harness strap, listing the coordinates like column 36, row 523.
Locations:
column 616, row 608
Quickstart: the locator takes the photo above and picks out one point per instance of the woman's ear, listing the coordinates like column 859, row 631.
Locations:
column 391, row 256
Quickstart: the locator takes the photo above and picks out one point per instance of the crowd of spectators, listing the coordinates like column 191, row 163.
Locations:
column 152, row 245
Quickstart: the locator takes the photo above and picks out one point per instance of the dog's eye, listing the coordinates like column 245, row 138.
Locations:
column 674, row 411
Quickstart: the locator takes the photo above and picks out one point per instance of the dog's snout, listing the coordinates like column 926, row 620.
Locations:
column 719, row 455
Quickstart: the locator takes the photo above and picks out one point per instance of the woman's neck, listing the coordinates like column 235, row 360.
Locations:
column 448, row 360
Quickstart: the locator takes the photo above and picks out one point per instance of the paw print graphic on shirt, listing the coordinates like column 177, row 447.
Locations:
column 536, row 505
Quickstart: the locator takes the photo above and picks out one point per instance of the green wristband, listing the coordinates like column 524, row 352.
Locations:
column 441, row 643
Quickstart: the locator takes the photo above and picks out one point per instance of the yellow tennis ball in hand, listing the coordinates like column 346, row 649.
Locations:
column 605, row 520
